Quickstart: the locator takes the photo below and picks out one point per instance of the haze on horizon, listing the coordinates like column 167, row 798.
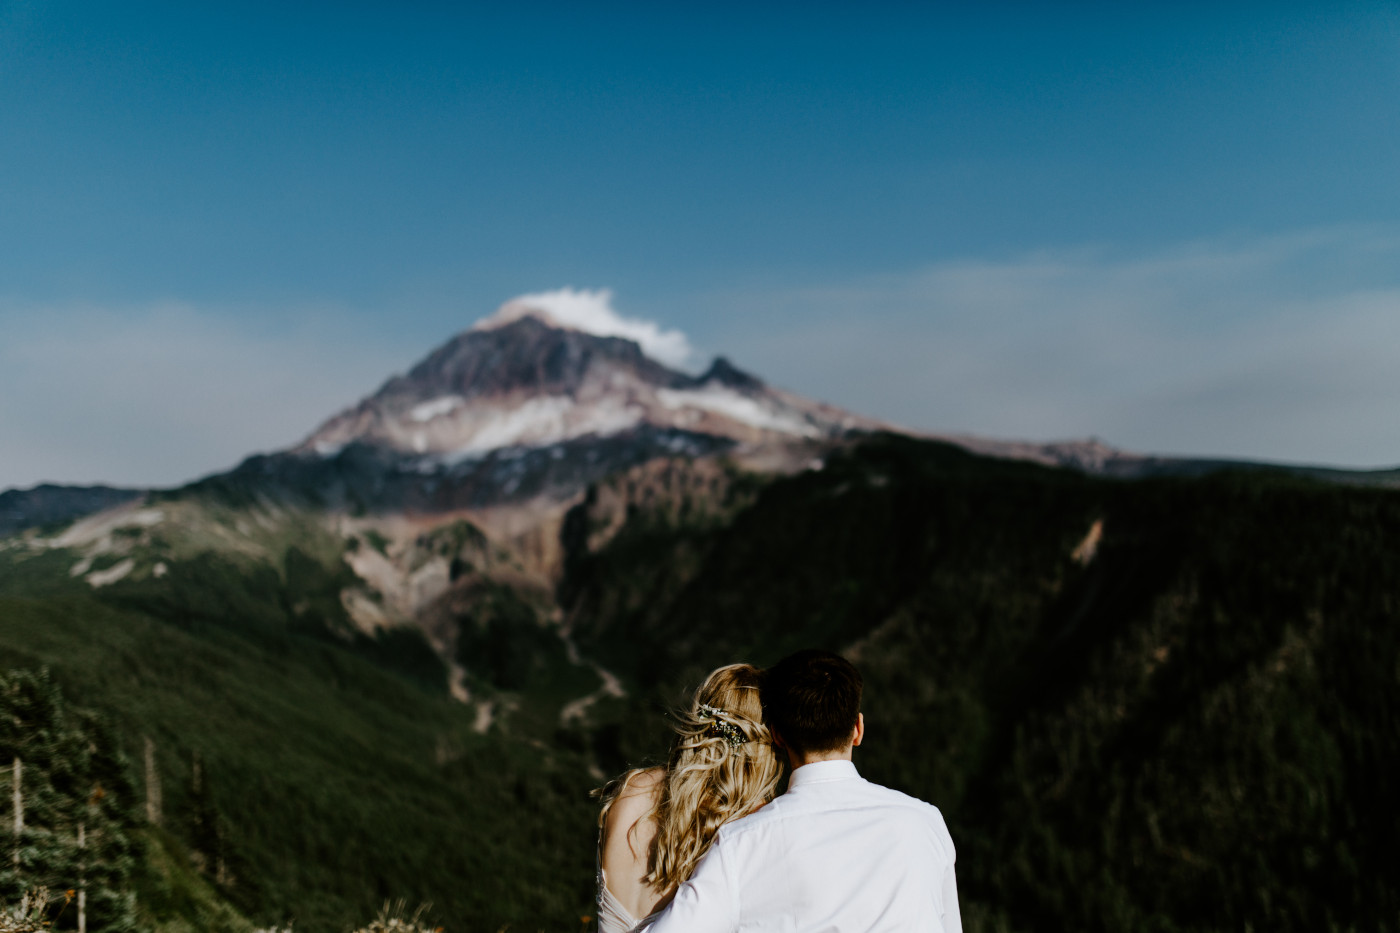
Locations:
column 1173, row 227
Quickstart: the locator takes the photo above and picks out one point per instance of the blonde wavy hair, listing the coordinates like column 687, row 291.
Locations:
column 708, row 780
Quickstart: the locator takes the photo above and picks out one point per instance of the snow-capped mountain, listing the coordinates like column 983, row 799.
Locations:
column 551, row 393
column 522, row 380
column 532, row 404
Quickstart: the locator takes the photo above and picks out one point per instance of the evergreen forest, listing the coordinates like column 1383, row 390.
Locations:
column 1160, row 704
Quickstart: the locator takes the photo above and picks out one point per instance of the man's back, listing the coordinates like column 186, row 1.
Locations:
column 835, row 854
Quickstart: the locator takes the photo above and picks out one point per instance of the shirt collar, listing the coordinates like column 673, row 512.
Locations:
column 820, row 772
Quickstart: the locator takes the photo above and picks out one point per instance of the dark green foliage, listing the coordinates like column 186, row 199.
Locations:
column 377, row 541
column 77, row 803
column 277, row 611
column 453, row 538
column 328, row 785
column 405, row 652
column 312, row 606
column 49, row 506
column 312, row 592
column 210, row 589
column 1192, row 731
column 174, row 891
column 502, row 640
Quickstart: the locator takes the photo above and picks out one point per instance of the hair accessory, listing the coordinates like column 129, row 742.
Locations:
column 720, row 727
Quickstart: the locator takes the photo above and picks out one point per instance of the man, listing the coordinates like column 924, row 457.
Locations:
column 836, row 853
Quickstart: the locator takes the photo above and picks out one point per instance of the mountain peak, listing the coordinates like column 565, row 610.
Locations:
column 527, row 353
column 513, row 311
column 726, row 373
column 591, row 312
column 551, row 369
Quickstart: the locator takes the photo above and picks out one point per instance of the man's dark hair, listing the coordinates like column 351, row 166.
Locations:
column 813, row 699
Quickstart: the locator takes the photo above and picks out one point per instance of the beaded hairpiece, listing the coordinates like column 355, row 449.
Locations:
column 720, row 727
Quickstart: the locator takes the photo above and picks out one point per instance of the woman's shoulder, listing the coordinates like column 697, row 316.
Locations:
column 626, row 831
column 636, row 796
column 644, row 780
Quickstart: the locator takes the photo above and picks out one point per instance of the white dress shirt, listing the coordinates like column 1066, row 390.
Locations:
column 835, row 854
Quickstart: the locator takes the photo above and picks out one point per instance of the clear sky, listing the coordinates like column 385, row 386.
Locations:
column 1173, row 226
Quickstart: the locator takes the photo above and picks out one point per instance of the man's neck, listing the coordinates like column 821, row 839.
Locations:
column 797, row 759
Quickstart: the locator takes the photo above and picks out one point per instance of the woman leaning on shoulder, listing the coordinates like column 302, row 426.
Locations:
column 656, row 823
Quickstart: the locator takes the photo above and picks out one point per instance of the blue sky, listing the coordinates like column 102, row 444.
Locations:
column 1176, row 227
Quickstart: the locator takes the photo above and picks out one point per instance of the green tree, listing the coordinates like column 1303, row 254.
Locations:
column 75, row 801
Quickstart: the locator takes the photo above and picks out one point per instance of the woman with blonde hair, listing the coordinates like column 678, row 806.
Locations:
column 656, row 823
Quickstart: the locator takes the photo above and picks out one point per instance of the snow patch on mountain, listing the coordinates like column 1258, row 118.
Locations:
column 536, row 421
column 436, row 408
column 592, row 312
column 725, row 401
column 541, row 422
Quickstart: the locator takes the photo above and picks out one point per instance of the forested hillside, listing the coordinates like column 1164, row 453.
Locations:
column 1161, row 704
column 1157, row 704
column 300, row 777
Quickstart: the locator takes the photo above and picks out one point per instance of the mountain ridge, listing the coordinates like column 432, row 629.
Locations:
column 55, row 503
column 522, row 407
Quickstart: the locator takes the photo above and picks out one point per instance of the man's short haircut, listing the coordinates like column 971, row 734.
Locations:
column 813, row 699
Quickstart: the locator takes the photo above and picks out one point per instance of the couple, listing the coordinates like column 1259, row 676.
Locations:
column 702, row 845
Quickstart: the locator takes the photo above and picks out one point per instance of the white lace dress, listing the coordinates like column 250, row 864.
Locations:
column 612, row 916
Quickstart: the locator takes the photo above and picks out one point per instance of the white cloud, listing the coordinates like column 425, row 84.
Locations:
column 1280, row 348
column 592, row 312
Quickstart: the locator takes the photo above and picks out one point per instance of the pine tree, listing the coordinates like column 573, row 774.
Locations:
column 77, row 803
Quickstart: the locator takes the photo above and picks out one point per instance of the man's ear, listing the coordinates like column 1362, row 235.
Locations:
column 860, row 730
column 777, row 739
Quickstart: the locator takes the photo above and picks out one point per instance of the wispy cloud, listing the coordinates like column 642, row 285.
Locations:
column 163, row 394
column 1279, row 348
column 593, row 313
